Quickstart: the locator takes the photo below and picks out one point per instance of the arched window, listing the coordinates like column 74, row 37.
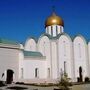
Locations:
column 52, row 30
column 60, row 29
column 56, row 30
column 44, row 48
column 47, row 30
column 48, row 72
column 79, row 50
column 64, row 45
column 21, row 72
column 36, row 72
column 65, row 67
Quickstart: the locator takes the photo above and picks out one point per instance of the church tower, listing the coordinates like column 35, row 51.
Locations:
column 54, row 25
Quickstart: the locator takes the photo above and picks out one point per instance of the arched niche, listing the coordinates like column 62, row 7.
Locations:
column 65, row 55
column 30, row 45
column 80, row 56
column 44, row 45
column 8, row 76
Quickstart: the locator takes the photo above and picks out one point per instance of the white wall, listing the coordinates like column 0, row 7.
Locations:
column 9, row 59
column 44, row 45
column 54, row 66
column 30, row 45
column 44, row 48
column 80, row 56
column 21, row 64
column 65, row 54
column 29, row 68
column 89, row 57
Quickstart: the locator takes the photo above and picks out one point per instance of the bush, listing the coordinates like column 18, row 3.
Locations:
column 2, row 84
column 19, row 82
column 17, row 88
column 87, row 79
column 64, row 82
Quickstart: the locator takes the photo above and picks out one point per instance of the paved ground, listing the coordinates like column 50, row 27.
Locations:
column 27, row 86
column 76, row 87
column 81, row 87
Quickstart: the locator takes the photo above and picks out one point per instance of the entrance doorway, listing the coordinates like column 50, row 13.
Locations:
column 80, row 74
column 9, row 78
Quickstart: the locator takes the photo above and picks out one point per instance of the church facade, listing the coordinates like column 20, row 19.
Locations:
column 46, row 59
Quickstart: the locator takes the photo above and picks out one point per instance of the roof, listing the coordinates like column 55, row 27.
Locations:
column 6, row 41
column 54, row 20
column 57, row 37
column 32, row 53
column 53, row 38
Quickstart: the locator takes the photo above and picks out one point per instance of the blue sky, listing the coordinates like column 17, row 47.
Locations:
column 20, row 19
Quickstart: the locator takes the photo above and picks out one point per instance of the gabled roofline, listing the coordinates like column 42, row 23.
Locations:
column 46, row 34
column 7, row 41
column 79, row 35
column 32, row 53
column 59, row 35
column 36, row 40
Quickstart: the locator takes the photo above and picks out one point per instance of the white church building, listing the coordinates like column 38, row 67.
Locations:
column 45, row 59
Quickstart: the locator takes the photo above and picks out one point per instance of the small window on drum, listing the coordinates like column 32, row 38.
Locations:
column 56, row 30
column 52, row 30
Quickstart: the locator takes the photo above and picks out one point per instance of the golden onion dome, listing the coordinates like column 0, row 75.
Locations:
column 54, row 20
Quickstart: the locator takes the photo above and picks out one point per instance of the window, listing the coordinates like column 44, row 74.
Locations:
column 36, row 73
column 48, row 30
column 56, row 30
column 61, row 72
column 64, row 67
column 30, row 47
column 48, row 72
column 61, row 29
column 79, row 48
column 64, row 44
column 52, row 30
column 44, row 48
column 21, row 72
